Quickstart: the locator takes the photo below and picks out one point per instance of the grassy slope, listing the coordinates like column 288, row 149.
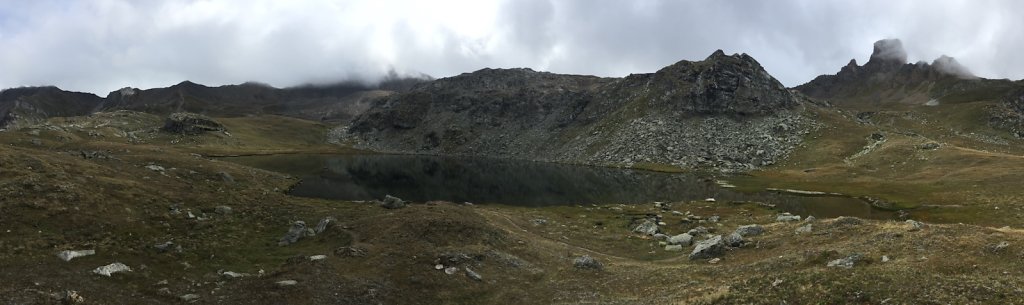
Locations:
column 53, row 199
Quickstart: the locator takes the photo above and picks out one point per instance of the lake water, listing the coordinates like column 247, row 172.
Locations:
column 522, row 183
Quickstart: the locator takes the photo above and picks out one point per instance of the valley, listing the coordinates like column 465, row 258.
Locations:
column 695, row 184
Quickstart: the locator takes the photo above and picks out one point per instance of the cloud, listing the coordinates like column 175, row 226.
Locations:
column 102, row 45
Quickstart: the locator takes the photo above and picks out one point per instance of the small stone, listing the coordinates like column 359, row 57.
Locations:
column 191, row 297
column 674, row 248
column 227, row 178
column 539, row 222
column 451, row 270
column 999, row 247
column 318, row 257
column 233, row 275
column 777, row 282
column 324, row 224
column 846, row 262
column 155, row 168
column 222, row 210
column 787, row 217
column 296, row 232
column 438, row 267
column 108, row 270
column 286, row 283
column 810, row 219
column 660, row 236
column 684, row 239
column 804, row 229
column 885, row 258
column 715, row 260
column 750, row 230
column 914, row 225
column 68, row 255
column 698, row 231
column 392, row 202
column 587, row 262
column 709, row 248
column 473, row 275
column 72, row 297
column 714, row 218
column 709, row 200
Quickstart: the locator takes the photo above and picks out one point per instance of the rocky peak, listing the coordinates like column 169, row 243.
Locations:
column 888, row 52
column 949, row 65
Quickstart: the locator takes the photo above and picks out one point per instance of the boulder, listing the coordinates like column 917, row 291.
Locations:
column 108, row 270
column 190, row 123
column 733, row 240
column 708, row 248
column 587, row 262
column 750, row 230
column 648, row 227
column 296, row 232
column 392, row 202
column 684, row 239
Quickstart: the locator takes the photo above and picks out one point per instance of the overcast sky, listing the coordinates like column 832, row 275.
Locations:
column 100, row 46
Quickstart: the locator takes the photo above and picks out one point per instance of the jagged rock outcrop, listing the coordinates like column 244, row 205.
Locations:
column 888, row 77
column 724, row 112
column 190, row 123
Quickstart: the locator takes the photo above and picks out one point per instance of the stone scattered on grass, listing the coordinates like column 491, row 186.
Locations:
column 108, row 270
column 473, row 275
column 684, row 239
column 914, row 225
column 750, row 230
column 648, row 227
column 296, row 232
column 733, row 240
column 324, row 224
column 287, row 283
column 804, row 229
column 708, row 248
column 233, row 275
column 698, row 231
column 155, row 168
column 71, row 297
column 451, row 270
column 318, row 257
column 68, row 255
column 674, row 248
column 786, row 217
column 222, row 210
column 996, row 248
column 189, row 298
column 587, row 262
column 846, row 262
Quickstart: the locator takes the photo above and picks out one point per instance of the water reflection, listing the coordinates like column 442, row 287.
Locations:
column 484, row 180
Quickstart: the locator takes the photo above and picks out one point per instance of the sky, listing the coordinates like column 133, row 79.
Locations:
column 100, row 46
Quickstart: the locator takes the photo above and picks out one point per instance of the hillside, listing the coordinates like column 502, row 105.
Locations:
column 724, row 112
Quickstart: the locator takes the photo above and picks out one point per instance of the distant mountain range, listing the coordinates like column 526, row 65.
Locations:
column 337, row 103
column 725, row 111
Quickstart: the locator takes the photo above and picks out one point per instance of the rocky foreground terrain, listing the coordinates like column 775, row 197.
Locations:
column 134, row 205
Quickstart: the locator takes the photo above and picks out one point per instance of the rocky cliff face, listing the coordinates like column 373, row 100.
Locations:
column 724, row 112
